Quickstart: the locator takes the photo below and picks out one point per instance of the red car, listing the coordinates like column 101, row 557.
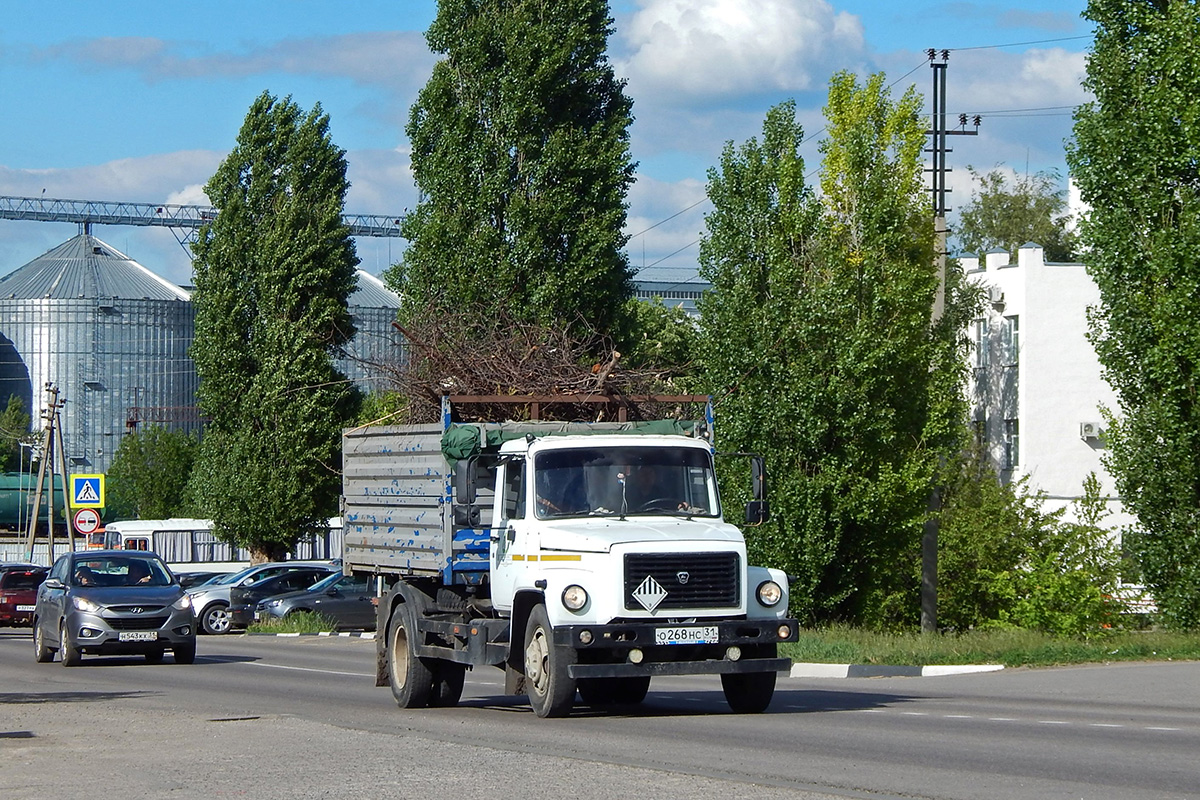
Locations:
column 18, row 593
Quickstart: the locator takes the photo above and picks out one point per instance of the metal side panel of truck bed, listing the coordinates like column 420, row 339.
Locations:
column 396, row 496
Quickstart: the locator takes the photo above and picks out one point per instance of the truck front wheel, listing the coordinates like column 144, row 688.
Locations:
column 750, row 692
column 551, row 690
column 411, row 679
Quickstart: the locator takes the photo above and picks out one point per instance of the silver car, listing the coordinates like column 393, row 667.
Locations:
column 112, row 602
column 211, row 601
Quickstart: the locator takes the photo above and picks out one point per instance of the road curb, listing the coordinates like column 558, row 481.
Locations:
column 811, row 670
column 333, row 634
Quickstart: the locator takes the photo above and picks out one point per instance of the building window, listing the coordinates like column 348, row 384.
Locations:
column 981, row 343
column 1009, row 340
column 1012, row 443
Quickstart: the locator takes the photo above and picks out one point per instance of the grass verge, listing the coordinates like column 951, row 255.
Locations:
column 1012, row 648
column 302, row 622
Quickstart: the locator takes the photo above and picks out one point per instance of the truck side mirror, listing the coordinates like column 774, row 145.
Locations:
column 758, row 477
column 464, row 481
column 757, row 512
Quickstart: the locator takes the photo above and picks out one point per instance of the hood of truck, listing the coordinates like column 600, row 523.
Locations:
column 599, row 534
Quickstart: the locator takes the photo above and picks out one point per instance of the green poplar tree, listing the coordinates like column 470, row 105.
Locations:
column 273, row 272
column 149, row 475
column 1007, row 215
column 1134, row 157
column 818, row 344
column 520, row 148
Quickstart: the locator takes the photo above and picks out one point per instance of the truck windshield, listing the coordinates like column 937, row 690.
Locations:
column 621, row 481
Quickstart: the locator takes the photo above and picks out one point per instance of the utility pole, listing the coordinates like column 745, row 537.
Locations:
column 939, row 130
column 52, row 418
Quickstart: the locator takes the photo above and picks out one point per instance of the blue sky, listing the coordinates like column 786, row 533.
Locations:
column 139, row 102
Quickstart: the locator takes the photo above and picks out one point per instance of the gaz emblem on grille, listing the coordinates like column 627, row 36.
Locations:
column 649, row 593
column 683, row 577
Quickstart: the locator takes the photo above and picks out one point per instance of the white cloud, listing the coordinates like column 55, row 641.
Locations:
column 722, row 47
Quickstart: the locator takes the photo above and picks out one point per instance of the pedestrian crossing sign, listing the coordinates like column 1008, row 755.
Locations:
column 87, row 491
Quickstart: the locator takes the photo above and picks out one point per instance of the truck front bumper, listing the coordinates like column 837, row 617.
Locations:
column 631, row 649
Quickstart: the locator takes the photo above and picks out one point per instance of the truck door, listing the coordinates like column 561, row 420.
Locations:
column 508, row 531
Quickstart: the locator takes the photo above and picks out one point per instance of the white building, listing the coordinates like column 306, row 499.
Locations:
column 1036, row 390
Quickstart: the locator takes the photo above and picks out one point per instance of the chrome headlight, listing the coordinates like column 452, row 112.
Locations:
column 574, row 597
column 183, row 602
column 83, row 604
column 769, row 593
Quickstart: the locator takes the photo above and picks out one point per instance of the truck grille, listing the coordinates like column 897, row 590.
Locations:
column 689, row 580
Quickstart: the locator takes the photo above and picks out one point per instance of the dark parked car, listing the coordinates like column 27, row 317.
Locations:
column 245, row 597
column 345, row 599
column 18, row 593
column 112, row 602
column 211, row 600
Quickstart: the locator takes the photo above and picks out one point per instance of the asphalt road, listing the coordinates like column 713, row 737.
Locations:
column 265, row 717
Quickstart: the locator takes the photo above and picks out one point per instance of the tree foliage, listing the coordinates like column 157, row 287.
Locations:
column 1006, row 561
column 273, row 272
column 817, row 341
column 14, row 428
column 1005, row 215
column 149, row 474
column 1134, row 157
column 521, row 152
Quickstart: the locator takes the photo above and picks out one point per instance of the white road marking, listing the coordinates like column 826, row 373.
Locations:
column 309, row 669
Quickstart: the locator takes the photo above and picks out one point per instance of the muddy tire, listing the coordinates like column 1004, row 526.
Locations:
column 411, row 678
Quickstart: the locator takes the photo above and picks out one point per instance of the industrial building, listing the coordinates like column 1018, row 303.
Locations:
column 114, row 338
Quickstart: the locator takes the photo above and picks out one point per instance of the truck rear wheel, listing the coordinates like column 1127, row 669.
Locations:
column 550, row 689
column 410, row 677
column 448, row 678
column 750, row 692
column 614, row 691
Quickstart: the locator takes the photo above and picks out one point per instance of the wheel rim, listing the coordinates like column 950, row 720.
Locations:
column 537, row 658
column 400, row 658
column 217, row 620
column 63, row 644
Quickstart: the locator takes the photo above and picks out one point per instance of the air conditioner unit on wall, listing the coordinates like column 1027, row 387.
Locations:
column 1090, row 430
column 995, row 295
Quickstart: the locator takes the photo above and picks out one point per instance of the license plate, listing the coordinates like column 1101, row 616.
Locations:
column 138, row 636
column 26, row 608
column 705, row 634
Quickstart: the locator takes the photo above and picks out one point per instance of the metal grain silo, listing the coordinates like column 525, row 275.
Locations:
column 112, row 335
column 377, row 347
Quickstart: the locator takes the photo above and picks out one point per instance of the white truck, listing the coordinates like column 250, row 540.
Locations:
column 578, row 557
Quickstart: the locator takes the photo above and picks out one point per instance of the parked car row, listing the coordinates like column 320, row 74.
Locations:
column 219, row 609
column 122, row 602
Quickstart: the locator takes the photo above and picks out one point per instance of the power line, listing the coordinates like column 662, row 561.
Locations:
column 1018, row 44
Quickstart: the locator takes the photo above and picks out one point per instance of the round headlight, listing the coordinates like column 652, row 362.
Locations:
column 769, row 593
column 574, row 597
